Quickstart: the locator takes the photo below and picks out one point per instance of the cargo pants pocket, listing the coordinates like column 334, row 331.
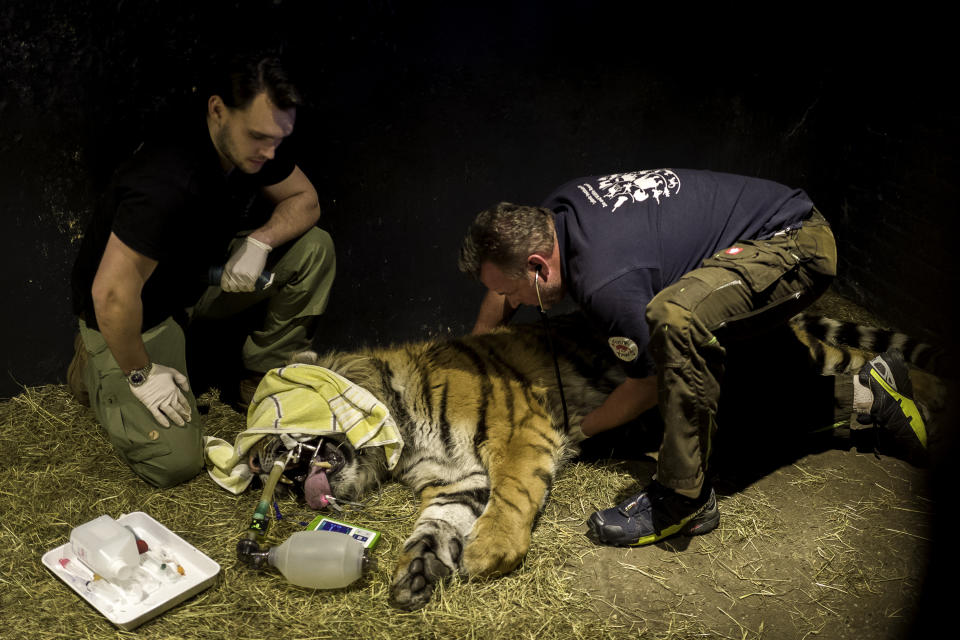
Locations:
column 759, row 262
column 816, row 245
column 132, row 429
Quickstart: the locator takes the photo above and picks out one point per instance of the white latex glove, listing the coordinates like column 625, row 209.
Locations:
column 161, row 395
column 245, row 266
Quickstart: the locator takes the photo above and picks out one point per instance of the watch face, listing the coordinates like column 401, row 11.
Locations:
column 137, row 377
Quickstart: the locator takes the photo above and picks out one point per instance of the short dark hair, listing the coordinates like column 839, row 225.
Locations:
column 241, row 78
column 506, row 235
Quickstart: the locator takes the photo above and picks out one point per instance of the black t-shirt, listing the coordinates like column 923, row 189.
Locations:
column 173, row 203
column 625, row 237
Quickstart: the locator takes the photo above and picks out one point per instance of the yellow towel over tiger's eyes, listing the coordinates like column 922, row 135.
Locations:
column 307, row 400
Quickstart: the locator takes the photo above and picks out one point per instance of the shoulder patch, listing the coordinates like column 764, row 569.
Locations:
column 624, row 348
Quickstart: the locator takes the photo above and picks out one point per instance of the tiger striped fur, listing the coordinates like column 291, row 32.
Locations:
column 838, row 348
column 483, row 437
column 852, row 342
column 484, row 433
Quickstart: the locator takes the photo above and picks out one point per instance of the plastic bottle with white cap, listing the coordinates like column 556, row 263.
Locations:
column 107, row 547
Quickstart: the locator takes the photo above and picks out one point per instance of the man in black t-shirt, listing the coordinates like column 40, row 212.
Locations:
column 664, row 261
column 183, row 205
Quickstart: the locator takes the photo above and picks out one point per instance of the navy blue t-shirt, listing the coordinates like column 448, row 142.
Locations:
column 625, row 237
column 173, row 203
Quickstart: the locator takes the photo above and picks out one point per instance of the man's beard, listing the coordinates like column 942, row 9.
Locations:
column 550, row 295
column 225, row 145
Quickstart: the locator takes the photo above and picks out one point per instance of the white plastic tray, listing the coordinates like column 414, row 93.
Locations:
column 153, row 589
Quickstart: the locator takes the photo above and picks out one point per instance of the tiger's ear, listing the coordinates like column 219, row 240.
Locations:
column 305, row 357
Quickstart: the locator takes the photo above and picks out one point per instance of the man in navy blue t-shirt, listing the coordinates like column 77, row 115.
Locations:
column 660, row 260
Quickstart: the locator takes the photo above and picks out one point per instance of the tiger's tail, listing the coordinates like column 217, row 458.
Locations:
column 839, row 347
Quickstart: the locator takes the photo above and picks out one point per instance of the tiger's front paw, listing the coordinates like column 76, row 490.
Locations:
column 494, row 550
column 419, row 569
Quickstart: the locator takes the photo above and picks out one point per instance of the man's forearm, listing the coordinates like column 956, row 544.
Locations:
column 291, row 218
column 494, row 311
column 625, row 403
column 120, row 321
column 116, row 301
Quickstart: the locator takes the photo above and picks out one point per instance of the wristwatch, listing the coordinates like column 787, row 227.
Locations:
column 138, row 376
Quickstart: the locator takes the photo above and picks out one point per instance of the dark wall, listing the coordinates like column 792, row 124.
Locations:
column 889, row 148
column 424, row 114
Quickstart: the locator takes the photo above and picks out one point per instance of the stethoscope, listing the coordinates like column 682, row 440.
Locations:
column 553, row 351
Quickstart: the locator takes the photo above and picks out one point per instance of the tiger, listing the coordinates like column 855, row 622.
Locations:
column 485, row 434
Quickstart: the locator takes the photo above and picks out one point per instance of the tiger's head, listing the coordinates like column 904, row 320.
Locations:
column 351, row 472
column 323, row 466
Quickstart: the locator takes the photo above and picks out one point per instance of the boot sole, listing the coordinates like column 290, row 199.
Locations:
column 702, row 522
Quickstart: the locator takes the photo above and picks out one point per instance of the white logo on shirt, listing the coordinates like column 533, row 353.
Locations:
column 624, row 348
column 637, row 186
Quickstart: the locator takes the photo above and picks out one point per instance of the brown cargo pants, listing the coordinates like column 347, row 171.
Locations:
column 738, row 292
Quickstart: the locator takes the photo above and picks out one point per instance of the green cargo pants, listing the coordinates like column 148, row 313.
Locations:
column 166, row 456
column 737, row 293
column 303, row 277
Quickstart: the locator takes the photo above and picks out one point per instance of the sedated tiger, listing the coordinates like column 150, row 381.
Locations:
column 484, row 432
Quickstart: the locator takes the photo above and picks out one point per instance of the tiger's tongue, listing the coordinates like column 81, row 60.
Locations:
column 316, row 488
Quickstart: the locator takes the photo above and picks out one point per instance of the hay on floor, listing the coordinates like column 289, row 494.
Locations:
column 757, row 576
column 63, row 473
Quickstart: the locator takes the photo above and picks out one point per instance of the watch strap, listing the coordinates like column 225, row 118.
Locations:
column 138, row 376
